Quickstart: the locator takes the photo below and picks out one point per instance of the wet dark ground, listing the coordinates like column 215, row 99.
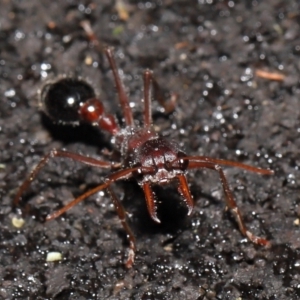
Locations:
column 207, row 52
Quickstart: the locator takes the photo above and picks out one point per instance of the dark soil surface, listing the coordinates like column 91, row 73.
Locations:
column 208, row 52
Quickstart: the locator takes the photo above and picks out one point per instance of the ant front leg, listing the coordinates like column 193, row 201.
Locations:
column 122, row 216
column 230, row 202
column 57, row 153
column 118, row 175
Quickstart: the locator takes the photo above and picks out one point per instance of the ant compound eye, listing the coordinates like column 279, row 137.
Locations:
column 62, row 99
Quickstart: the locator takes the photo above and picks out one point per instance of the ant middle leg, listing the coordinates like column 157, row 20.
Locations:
column 58, row 153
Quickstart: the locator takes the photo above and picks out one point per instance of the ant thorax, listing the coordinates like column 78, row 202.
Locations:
column 158, row 158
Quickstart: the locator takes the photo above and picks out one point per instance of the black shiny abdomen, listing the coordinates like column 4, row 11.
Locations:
column 61, row 100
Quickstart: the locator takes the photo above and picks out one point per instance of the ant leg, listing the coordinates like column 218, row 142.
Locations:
column 122, row 216
column 230, row 202
column 185, row 192
column 122, row 174
column 169, row 105
column 195, row 160
column 147, row 98
column 123, row 99
column 151, row 201
column 86, row 25
column 58, row 153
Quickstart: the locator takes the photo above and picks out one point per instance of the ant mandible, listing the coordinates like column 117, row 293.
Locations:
column 145, row 155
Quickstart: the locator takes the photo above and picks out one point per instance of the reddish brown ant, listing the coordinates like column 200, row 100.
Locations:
column 145, row 155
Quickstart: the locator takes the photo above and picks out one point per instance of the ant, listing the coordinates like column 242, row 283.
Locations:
column 145, row 156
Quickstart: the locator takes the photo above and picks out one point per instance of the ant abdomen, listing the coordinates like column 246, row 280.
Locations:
column 72, row 100
column 61, row 100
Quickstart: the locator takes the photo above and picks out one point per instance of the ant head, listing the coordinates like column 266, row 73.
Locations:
column 162, row 159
